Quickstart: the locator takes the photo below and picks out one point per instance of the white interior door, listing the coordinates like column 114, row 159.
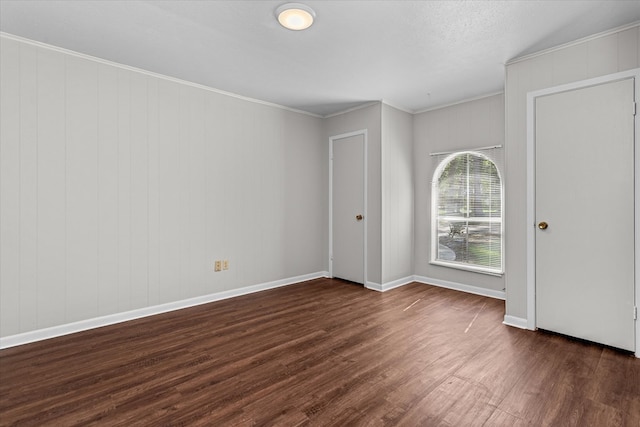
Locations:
column 347, row 211
column 584, row 193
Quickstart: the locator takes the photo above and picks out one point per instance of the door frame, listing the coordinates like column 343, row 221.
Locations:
column 531, row 175
column 332, row 140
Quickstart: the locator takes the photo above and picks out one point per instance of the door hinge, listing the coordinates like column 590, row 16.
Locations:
column 635, row 313
column 634, row 108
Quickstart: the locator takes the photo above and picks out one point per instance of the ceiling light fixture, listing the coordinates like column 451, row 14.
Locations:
column 295, row 16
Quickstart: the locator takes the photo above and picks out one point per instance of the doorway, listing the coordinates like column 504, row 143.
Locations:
column 583, row 213
column 347, row 210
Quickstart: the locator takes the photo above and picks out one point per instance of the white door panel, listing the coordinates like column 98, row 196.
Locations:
column 585, row 193
column 348, row 203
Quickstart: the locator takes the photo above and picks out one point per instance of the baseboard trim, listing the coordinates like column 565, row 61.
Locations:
column 460, row 287
column 97, row 322
column 397, row 283
column 389, row 285
column 373, row 286
column 516, row 322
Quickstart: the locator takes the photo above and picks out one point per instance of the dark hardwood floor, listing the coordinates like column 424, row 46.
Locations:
column 322, row 352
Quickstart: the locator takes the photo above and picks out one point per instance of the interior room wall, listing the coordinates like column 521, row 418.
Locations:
column 120, row 188
column 368, row 118
column 592, row 57
column 468, row 125
column 397, row 195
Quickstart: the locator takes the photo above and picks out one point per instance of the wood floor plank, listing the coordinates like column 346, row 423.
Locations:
column 321, row 353
column 455, row 402
column 500, row 418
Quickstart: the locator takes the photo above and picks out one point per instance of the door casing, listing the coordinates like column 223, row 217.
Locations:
column 332, row 140
column 530, row 206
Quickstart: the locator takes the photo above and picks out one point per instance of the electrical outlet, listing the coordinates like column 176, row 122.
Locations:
column 225, row 264
column 217, row 266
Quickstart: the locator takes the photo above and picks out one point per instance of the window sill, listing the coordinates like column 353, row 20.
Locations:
column 467, row 267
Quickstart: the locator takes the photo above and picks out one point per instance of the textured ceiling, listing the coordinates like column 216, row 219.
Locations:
column 411, row 54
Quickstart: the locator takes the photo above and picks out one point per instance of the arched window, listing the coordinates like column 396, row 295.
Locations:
column 466, row 217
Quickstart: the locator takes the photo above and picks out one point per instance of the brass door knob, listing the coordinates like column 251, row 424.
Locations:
column 543, row 225
column 359, row 217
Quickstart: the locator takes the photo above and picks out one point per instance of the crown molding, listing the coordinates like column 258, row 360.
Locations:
column 152, row 74
column 573, row 43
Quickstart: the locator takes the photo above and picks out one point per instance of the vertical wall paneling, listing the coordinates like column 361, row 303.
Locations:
column 119, row 189
column 28, row 188
column 570, row 63
column 295, row 163
column 81, row 189
column 225, row 200
column 270, row 174
column 183, row 210
column 265, row 177
column 628, row 48
column 250, row 264
column 153, row 226
column 168, row 198
column 52, row 195
column 108, row 236
column 397, row 194
column 197, row 259
column 307, row 205
column 9, row 192
column 217, row 180
column 139, row 190
column 124, row 190
column 602, row 56
column 184, row 196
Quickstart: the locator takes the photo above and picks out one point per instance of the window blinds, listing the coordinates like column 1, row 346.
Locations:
column 467, row 203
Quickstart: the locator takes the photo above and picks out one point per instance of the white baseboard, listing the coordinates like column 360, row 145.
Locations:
column 397, row 283
column 436, row 282
column 516, row 322
column 460, row 287
column 373, row 286
column 83, row 325
column 389, row 285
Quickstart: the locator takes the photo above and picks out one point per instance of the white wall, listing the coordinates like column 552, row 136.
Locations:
column 389, row 191
column 597, row 56
column 364, row 118
column 467, row 125
column 119, row 189
column 397, row 195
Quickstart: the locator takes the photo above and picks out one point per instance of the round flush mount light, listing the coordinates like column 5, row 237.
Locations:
column 295, row 16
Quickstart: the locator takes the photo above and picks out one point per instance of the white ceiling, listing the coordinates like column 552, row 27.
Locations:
column 411, row 54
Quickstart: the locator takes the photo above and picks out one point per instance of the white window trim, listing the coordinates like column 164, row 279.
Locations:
column 434, row 215
column 468, row 267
